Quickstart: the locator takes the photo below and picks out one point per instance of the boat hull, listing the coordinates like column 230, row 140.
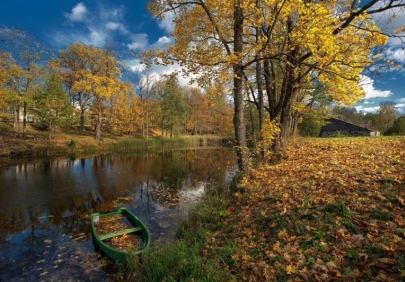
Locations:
column 137, row 226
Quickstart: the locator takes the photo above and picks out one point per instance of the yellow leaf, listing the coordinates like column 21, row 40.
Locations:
column 397, row 239
column 290, row 269
column 283, row 234
column 276, row 247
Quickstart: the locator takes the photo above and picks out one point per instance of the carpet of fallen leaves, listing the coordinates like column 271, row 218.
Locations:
column 115, row 223
column 333, row 209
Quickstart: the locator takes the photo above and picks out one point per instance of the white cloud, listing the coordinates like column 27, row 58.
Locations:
column 91, row 26
column 400, row 105
column 163, row 42
column 397, row 54
column 134, row 65
column 92, row 38
column 114, row 26
column 368, row 85
column 78, row 13
column 367, row 109
column 167, row 23
column 139, row 42
column 390, row 20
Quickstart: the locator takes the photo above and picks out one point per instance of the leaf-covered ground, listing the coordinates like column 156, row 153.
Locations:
column 333, row 210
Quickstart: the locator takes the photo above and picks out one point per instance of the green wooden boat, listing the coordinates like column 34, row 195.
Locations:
column 128, row 225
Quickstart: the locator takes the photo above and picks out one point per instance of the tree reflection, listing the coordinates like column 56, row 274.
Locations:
column 45, row 217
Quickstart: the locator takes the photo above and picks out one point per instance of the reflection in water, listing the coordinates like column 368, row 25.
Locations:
column 45, row 206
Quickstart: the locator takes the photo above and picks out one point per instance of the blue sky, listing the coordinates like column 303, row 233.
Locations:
column 59, row 23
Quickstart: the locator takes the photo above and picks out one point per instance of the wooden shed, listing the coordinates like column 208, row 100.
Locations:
column 336, row 126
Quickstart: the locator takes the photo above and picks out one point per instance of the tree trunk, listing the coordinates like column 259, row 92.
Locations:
column 162, row 127
column 16, row 121
column 259, row 83
column 82, row 120
column 49, row 131
column 24, row 134
column 238, row 119
column 147, row 122
column 260, row 106
column 284, row 123
column 98, row 124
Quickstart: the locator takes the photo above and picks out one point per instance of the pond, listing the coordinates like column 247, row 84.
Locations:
column 45, row 206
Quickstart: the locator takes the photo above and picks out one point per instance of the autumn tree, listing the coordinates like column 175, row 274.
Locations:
column 385, row 116
column 124, row 114
column 145, row 86
column 197, row 116
column 76, row 64
column 105, row 82
column 27, row 73
column 6, row 64
column 210, row 33
column 92, row 77
column 292, row 43
column 220, row 109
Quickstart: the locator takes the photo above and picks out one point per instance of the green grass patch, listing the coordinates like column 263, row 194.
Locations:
column 183, row 261
column 382, row 215
column 175, row 262
column 338, row 207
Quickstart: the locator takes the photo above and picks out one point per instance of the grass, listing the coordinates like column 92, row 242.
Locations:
column 331, row 211
column 183, row 261
column 72, row 142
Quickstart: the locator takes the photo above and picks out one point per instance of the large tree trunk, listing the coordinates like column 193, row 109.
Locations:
column 238, row 119
column 284, row 123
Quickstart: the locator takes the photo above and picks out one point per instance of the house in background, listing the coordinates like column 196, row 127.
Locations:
column 336, row 126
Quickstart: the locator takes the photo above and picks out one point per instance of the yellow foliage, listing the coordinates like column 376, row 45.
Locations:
column 268, row 134
column 204, row 30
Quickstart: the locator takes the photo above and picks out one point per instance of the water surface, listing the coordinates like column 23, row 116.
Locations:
column 45, row 207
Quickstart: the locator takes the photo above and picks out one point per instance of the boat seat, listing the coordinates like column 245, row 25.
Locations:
column 119, row 233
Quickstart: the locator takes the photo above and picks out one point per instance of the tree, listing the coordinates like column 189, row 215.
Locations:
column 145, row 91
column 125, row 111
column 173, row 109
column 386, row 116
column 292, row 42
column 76, row 64
column 105, row 83
column 349, row 114
column 220, row 109
column 310, row 126
column 197, row 117
column 51, row 103
column 27, row 77
column 6, row 64
column 92, row 77
column 398, row 127
column 220, row 43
